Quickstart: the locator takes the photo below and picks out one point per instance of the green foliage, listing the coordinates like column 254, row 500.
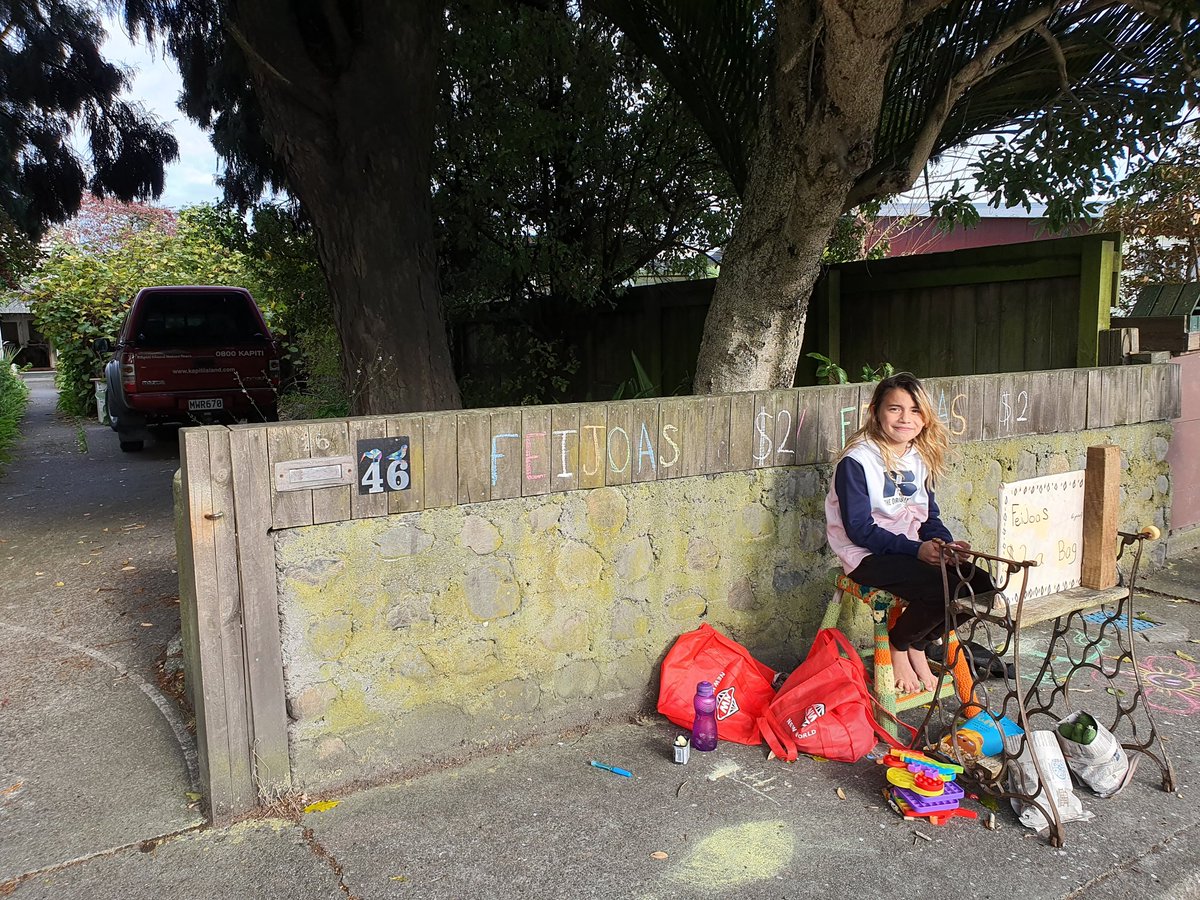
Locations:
column 637, row 387
column 79, row 294
column 18, row 254
column 564, row 167
column 14, row 396
column 520, row 367
column 828, row 370
column 831, row 372
column 856, row 236
column 1157, row 208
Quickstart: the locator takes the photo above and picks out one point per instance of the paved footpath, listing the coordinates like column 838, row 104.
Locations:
column 94, row 800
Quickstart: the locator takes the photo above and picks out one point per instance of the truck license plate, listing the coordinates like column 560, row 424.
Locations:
column 211, row 403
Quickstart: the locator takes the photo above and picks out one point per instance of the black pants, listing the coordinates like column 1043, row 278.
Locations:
column 921, row 585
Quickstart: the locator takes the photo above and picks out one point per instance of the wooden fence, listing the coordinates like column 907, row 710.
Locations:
column 1018, row 307
column 240, row 484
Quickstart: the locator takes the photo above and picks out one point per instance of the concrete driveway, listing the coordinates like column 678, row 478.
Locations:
column 93, row 755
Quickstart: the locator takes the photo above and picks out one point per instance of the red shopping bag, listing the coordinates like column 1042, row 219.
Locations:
column 824, row 708
column 742, row 683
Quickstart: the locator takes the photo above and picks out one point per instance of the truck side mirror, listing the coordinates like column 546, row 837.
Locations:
column 102, row 345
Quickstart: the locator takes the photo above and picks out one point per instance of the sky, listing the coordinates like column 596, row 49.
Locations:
column 156, row 85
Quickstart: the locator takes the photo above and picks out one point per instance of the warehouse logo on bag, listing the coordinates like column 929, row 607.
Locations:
column 726, row 704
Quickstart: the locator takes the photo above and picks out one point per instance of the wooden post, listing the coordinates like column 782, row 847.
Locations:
column 1095, row 297
column 1101, row 500
column 1117, row 345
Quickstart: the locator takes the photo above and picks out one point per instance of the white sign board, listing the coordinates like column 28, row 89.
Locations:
column 1042, row 519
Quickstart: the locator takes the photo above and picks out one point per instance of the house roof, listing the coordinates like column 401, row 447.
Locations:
column 1168, row 300
column 14, row 307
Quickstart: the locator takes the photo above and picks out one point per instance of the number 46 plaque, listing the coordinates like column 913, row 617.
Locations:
column 383, row 465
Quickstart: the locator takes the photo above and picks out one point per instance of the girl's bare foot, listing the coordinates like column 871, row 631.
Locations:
column 920, row 665
column 907, row 680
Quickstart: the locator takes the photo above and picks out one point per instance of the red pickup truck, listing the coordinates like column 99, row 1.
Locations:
column 190, row 355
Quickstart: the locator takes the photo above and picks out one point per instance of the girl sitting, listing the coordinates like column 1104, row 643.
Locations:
column 883, row 523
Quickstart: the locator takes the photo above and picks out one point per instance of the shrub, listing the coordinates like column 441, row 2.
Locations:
column 14, row 396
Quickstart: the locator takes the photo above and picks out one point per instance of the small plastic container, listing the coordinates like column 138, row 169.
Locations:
column 682, row 750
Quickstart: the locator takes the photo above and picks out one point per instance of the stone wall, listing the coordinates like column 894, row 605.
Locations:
column 424, row 636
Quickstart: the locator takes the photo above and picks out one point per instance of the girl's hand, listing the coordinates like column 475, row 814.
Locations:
column 930, row 552
column 957, row 550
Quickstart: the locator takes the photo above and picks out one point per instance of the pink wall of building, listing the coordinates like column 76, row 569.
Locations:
column 1184, row 455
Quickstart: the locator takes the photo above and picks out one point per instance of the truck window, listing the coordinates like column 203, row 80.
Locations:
column 195, row 320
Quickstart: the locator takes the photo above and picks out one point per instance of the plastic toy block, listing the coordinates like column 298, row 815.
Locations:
column 949, row 799
column 947, row 770
column 920, row 782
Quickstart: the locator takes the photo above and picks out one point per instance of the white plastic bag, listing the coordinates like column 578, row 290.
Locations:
column 1023, row 779
column 1101, row 764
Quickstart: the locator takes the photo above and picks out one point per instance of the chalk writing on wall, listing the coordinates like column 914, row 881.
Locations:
column 1041, row 519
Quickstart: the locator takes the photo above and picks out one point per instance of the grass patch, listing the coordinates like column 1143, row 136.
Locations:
column 14, row 397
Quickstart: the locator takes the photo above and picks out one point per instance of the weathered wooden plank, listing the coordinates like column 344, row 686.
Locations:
column 783, row 429
column 1095, row 399
column 997, row 407
column 1064, row 325
column 441, row 459
column 260, row 604
column 1038, row 325
column 1036, row 610
column 330, row 438
column 963, row 331
column 474, row 453
column 366, row 505
column 1077, row 383
column 1159, row 332
column 564, row 448
column 804, row 434
column 1112, row 396
column 1173, row 398
column 839, row 417
column 971, row 404
column 1131, row 409
column 413, row 498
column 229, row 605
column 212, row 727
column 1101, row 505
column 593, row 440
column 619, row 444
column 949, row 399
column 716, row 413
column 505, row 458
column 1012, row 327
column 645, row 438
column 673, row 449
column 536, row 425
column 1044, row 400
column 288, row 508
column 763, row 452
column 741, row 432
column 987, row 329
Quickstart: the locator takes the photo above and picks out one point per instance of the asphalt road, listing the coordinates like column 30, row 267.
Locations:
column 93, row 755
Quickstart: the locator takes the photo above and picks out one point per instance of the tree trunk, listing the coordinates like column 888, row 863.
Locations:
column 816, row 138
column 350, row 113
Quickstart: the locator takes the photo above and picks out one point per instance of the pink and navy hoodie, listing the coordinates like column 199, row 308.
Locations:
column 867, row 512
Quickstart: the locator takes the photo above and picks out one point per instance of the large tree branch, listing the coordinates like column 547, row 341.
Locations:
column 890, row 181
column 917, row 10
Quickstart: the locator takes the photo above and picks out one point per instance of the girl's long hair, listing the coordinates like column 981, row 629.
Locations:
column 933, row 443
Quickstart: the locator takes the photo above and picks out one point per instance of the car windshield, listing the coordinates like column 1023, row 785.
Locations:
column 199, row 319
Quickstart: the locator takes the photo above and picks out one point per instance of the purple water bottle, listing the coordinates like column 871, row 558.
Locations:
column 704, row 727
